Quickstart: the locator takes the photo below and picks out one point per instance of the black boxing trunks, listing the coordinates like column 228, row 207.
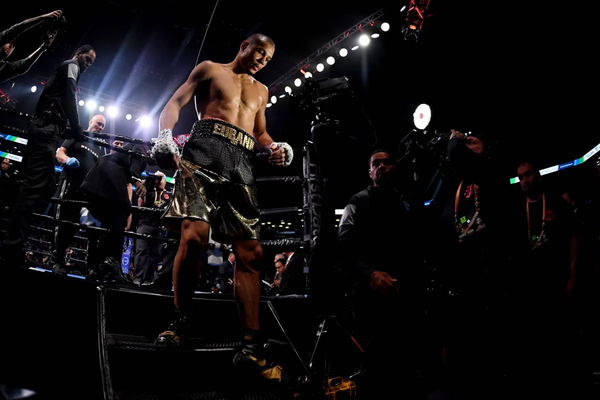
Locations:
column 215, row 182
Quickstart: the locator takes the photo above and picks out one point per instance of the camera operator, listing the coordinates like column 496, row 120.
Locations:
column 8, row 39
column 466, row 226
column 147, row 253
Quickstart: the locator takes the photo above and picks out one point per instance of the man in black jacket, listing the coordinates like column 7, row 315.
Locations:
column 108, row 189
column 467, row 223
column 56, row 107
column 378, row 246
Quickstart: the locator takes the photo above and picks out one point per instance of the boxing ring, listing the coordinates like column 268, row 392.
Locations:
column 309, row 209
column 122, row 340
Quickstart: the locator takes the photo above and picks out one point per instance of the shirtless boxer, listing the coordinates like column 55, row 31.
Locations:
column 215, row 187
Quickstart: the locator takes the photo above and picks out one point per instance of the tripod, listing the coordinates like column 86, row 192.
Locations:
column 320, row 363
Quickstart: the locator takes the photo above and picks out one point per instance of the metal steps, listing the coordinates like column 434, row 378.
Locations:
column 201, row 369
column 134, row 368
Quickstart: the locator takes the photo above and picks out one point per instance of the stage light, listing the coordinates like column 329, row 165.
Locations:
column 269, row 105
column 308, row 75
column 81, row 103
column 91, row 105
column 422, row 116
column 145, row 121
column 385, row 26
column 101, row 108
column 281, row 96
column 343, row 52
column 320, row 67
column 33, row 89
column 354, row 48
column 364, row 40
column 330, row 60
column 375, row 35
column 288, row 89
column 297, row 82
column 112, row 111
column 128, row 117
column 273, row 99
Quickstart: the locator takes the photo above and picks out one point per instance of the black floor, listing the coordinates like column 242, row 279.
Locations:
column 69, row 338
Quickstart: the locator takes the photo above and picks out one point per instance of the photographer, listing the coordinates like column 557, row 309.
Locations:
column 147, row 253
column 8, row 38
column 468, row 219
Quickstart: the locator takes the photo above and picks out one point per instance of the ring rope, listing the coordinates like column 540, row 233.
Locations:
column 267, row 211
column 97, row 140
column 286, row 179
column 131, row 234
column 100, row 134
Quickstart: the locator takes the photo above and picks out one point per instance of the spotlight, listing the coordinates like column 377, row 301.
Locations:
column 112, row 111
column 343, row 52
column 91, row 105
column 269, row 105
column 81, row 103
column 422, row 116
column 320, row 67
column 273, row 99
column 145, row 121
column 385, row 26
column 128, row 117
column 288, row 89
column 101, row 108
column 364, row 40
column 33, row 89
column 281, row 96
column 308, row 75
column 330, row 60
column 297, row 82
column 354, row 48
column 375, row 35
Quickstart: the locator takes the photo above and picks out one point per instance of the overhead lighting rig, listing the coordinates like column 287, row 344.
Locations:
column 417, row 12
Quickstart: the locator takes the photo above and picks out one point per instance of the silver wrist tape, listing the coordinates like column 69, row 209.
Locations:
column 289, row 153
column 164, row 144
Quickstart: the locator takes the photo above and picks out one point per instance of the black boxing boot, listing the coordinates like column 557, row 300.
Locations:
column 176, row 332
column 252, row 359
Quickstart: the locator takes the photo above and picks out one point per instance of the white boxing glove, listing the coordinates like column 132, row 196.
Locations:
column 164, row 144
column 287, row 150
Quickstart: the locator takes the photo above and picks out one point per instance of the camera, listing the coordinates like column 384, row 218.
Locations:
column 318, row 90
column 60, row 25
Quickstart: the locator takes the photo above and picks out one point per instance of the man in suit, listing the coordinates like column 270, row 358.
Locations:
column 292, row 278
column 225, row 274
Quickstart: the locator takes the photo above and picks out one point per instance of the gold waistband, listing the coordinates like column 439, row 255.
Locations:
column 236, row 136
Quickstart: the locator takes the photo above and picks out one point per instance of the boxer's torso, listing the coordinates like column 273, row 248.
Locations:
column 235, row 98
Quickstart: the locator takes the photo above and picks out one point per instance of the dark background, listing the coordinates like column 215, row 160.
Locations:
column 518, row 75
